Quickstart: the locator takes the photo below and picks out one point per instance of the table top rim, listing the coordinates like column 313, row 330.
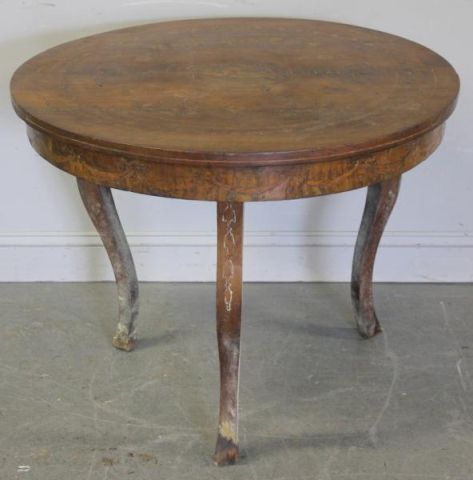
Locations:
column 237, row 158
column 230, row 159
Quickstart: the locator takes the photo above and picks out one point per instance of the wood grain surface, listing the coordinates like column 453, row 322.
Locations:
column 236, row 110
column 244, row 183
column 235, row 92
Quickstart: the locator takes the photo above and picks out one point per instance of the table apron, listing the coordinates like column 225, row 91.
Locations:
column 236, row 183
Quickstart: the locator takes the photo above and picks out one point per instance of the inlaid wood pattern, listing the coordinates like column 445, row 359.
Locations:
column 237, row 91
column 229, row 288
column 242, row 183
column 232, row 111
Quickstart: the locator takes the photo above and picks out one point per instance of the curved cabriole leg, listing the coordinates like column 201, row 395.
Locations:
column 101, row 208
column 229, row 286
column 380, row 201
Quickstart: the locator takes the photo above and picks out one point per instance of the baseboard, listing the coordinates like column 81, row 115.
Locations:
column 271, row 257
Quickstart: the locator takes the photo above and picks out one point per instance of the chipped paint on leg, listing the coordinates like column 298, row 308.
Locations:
column 99, row 203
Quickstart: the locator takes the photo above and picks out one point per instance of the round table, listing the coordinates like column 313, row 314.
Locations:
column 236, row 110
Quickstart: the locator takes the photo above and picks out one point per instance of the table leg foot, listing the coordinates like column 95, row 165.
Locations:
column 229, row 290
column 100, row 206
column 226, row 452
column 380, row 201
column 123, row 341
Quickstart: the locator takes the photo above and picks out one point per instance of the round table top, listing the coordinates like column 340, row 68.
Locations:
column 256, row 91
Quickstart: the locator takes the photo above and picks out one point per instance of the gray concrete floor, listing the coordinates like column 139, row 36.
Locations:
column 317, row 402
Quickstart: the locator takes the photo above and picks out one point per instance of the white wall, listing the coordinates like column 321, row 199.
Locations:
column 45, row 234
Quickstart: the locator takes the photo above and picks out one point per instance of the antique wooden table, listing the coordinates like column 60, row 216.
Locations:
column 234, row 111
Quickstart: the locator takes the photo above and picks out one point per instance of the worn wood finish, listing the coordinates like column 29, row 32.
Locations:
column 233, row 92
column 236, row 110
column 99, row 204
column 229, row 290
column 243, row 183
column 380, row 200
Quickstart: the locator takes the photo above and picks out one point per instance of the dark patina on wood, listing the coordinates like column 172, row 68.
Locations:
column 236, row 110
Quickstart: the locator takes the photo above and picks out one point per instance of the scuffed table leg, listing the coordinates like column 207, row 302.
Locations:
column 101, row 208
column 380, row 200
column 229, row 287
